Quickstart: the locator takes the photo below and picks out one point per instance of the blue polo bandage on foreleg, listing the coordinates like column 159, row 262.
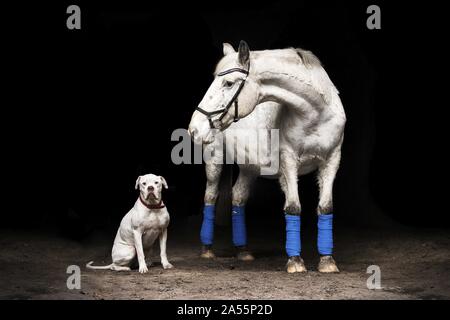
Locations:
column 207, row 231
column 239, row 229
column 293, row 243
column 325, row 234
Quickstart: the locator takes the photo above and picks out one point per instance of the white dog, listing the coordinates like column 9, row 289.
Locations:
column 140, row 227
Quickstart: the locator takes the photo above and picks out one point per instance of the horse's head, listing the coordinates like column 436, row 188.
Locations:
column 232, row 95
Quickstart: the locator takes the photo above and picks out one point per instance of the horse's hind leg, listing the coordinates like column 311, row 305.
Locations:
column 326, row 175
column 213, row 172
column 240, row 193
column 292, row 209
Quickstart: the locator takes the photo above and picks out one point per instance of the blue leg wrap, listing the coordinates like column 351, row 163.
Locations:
column 293, row 243
column 207, row 231
column 325, row 234
column 239, row 229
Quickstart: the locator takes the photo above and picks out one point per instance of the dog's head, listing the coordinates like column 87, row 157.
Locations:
column 150, row 187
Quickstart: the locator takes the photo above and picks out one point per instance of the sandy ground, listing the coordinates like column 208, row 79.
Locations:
column 414, row 265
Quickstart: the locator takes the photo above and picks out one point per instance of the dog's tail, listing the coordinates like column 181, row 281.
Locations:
column 90, row 266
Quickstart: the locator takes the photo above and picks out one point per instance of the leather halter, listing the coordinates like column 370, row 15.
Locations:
column 234, row 99
column 159, row 205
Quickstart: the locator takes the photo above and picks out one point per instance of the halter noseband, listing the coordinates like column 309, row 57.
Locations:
column 224, row 111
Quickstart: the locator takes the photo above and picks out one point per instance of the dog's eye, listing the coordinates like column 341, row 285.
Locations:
column 156, row 182
column 144, row 183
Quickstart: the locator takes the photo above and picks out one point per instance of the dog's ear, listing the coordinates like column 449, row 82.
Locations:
column 137, row 183
column 163, row 181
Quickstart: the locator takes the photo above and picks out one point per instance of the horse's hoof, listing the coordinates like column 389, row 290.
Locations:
column 327, row 265
column 207, row 253
column 245, row 256
column 295, row 264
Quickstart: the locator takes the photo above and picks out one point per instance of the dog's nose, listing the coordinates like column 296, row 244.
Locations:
column 150, row 188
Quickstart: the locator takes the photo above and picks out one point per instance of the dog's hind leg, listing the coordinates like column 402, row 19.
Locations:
column 123, row 257
column 119, row 268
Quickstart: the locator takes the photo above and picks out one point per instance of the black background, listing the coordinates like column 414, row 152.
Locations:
column 92, row 109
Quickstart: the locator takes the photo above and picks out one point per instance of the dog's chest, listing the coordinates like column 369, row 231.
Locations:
column 155, row 221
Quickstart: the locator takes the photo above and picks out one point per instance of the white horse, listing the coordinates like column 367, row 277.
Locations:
column 288, row 90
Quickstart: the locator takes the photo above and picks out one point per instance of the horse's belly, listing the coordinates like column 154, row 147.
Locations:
column 245, row 146
column 306, row 164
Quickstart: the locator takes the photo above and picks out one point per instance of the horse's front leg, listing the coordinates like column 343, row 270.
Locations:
column 326, row 175
column 292, row 210
column 240, row 193
column 213, row 172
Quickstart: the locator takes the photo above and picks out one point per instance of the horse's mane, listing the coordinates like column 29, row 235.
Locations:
column 317, row 75
column 320, row 78
column 309, row 59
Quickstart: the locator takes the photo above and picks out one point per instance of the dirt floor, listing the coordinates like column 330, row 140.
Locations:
column 414, row 265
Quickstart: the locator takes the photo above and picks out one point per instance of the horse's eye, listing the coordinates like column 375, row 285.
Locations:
column 228, row 84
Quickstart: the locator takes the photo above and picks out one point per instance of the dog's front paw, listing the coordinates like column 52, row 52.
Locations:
column 167, row 266
column 143, row 269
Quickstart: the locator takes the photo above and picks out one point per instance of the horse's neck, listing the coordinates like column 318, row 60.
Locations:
column 293, row 86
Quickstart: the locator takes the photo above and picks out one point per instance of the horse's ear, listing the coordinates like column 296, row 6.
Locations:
column 228, row 49
column 244, row 53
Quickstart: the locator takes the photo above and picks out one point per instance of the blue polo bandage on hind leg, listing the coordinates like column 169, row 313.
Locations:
column 293, row 243
column 239, row 229
column 207, row 231
column 325, row 234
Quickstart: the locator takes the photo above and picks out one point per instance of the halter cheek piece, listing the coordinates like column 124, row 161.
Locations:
column 234, row 99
